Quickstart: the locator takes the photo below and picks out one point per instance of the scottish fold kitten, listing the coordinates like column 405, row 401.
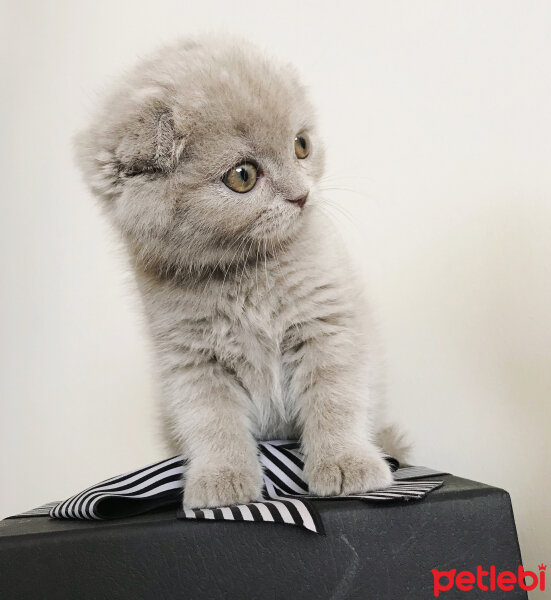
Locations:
column 207, row 160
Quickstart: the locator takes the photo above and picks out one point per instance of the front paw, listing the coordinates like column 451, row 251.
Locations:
column 353, row 472
column 221, row 485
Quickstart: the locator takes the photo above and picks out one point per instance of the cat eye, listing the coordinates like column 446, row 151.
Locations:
column 302, row 145
column 242, row 178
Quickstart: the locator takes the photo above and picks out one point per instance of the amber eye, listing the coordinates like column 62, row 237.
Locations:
column 241, row 178
column 302, row 145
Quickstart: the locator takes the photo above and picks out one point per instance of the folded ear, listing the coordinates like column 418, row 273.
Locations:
column 128, row 137
column 148, row 141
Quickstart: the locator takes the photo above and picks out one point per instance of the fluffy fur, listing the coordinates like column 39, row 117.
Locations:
column 259, row 326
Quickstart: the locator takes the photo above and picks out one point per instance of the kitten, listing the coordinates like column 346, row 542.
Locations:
column 207, row 160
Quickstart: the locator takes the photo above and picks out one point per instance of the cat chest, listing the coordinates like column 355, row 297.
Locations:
column 255, row 355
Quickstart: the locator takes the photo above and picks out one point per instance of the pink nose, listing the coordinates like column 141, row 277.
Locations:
column 300, row 200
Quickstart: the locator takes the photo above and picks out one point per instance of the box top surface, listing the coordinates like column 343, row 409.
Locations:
column 454, row 489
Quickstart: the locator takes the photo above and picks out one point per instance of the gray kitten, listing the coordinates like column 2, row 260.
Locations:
column 207, row 160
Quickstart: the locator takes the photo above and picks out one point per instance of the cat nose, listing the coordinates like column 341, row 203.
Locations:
column 299, row 200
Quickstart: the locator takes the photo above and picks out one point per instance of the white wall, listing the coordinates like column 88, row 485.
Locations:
column 437, row 120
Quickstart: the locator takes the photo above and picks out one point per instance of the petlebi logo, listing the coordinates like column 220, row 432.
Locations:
column 489, row 580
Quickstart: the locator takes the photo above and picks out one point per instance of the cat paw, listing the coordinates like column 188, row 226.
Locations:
column 214, row 486
column 353, row 472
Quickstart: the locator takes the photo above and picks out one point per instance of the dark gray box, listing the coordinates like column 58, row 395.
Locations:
column 369, row 552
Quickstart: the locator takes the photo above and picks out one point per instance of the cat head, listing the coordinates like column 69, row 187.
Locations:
column 204, row 150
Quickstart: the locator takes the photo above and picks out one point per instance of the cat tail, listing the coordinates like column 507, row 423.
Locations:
column 395, row 443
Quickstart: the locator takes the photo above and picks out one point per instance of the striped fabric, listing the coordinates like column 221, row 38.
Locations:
column 127, row 495
column 288, row 511
column 283, row 481
column 285, row 496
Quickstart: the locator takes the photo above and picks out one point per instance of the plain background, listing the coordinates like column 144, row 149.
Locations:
column 437, row 121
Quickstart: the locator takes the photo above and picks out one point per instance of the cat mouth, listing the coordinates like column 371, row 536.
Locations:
column 279, row 225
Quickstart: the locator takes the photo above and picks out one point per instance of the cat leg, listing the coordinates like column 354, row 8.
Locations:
column 333, row 413
column 207, row 409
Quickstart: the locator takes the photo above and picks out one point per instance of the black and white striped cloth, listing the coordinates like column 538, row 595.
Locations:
column 285, row 496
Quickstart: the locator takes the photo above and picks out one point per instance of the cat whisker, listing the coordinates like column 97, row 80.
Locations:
column 266, row 262
column 256, row 269
column 334, row 177
column 337, row 229
column 218, row 264
column 342, row 189
column 241, row 244
column 243, row 272
column 338, row 209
